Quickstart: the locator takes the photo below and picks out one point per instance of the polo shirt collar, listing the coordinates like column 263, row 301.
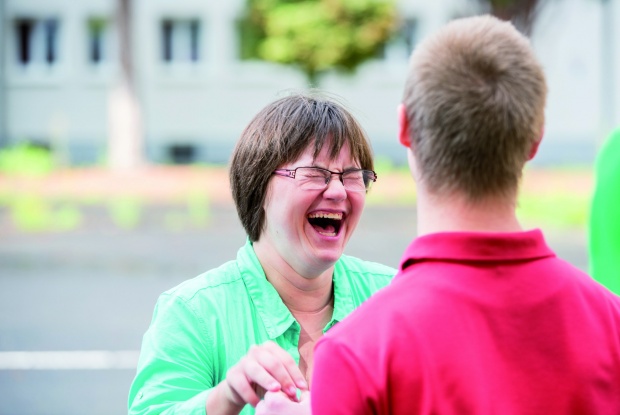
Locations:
column 269, row 305
column 477, row 247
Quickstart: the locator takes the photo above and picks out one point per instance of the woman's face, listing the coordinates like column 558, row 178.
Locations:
column 291, row 230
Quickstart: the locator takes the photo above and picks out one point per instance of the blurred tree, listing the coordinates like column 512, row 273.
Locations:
column 317, row 35
column 522, row 13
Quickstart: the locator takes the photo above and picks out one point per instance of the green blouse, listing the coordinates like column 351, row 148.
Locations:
column 203, row 326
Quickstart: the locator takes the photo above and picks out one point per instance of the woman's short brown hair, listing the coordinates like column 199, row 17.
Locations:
column 279, row 134
column 475, row 97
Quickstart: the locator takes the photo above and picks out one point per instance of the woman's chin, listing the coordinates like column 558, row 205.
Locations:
column 328, row 254
column 327, row 247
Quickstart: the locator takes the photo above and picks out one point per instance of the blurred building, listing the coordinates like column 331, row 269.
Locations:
column 59, row 63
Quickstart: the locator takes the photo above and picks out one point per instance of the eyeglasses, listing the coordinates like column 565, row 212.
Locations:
column 317, row 178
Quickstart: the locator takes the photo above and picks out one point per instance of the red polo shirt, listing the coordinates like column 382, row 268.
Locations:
column 476, row 324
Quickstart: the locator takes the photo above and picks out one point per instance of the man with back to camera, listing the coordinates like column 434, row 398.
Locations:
column 482, row 318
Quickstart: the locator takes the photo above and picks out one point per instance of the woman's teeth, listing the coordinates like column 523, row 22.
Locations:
column 326, row 223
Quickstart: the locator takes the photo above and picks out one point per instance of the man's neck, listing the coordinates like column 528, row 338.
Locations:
column 455, row 213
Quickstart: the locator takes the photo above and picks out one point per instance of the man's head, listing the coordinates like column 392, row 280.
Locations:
column 280, row 134
column 473, row 109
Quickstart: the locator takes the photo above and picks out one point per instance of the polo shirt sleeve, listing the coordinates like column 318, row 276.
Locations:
column 175, row 370
column 340, row 385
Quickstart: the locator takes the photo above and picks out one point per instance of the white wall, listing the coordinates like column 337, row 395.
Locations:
column 567, row 39
column 209, row 104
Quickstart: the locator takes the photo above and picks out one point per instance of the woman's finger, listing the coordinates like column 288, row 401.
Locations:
column 285, row 369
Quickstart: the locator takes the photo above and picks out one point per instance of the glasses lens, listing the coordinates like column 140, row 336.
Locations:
column 356, row 180
column 369, row 178
column 312, row 178
column 316, row 178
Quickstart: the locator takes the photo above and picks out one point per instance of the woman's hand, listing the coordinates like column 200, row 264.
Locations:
column 277, row 403
column 265, row 366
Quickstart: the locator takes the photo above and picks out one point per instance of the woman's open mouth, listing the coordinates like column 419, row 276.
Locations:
column 326, row 223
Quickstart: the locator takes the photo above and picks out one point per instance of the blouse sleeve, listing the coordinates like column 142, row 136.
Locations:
column 175, row 369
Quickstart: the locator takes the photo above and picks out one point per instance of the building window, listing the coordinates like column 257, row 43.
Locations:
column 408, row 35
column 100, row 45
column 36, row 41
column 401, row 45
column 180, row 40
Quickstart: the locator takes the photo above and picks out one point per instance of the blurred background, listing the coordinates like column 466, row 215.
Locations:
column 117, row 119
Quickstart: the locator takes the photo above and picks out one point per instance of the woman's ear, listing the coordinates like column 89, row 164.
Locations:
column 403, row 127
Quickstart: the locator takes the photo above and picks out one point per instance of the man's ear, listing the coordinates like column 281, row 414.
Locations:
column 403, row 127
column 535, row 144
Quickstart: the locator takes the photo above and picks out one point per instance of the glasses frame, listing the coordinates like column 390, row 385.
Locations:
column 290, row 173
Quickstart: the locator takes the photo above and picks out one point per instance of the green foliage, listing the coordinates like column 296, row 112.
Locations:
column 555, row 210
column 198, row 208
column 197, row 214
column 317, row 35
column 383, row 165
column 67, row 217
column 26, row 159
column 125, row 211
column 33, row 213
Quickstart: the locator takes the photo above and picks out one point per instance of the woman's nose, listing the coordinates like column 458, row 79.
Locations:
column 335, row 188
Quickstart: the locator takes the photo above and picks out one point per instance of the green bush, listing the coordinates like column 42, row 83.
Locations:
column 125, row 211
column 26, row 159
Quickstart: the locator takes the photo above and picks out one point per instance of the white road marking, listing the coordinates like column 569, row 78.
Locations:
column 69, row 360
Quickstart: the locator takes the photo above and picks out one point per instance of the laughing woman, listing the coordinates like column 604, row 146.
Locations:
column 299, row 176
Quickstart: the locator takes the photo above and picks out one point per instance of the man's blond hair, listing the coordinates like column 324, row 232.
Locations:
column 474, row 98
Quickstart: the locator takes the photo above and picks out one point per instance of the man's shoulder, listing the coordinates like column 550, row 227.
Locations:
column 596, row 294
column 372, row 324
column 387, row 301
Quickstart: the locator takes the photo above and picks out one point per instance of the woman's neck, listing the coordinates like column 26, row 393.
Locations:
column 301, row 293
